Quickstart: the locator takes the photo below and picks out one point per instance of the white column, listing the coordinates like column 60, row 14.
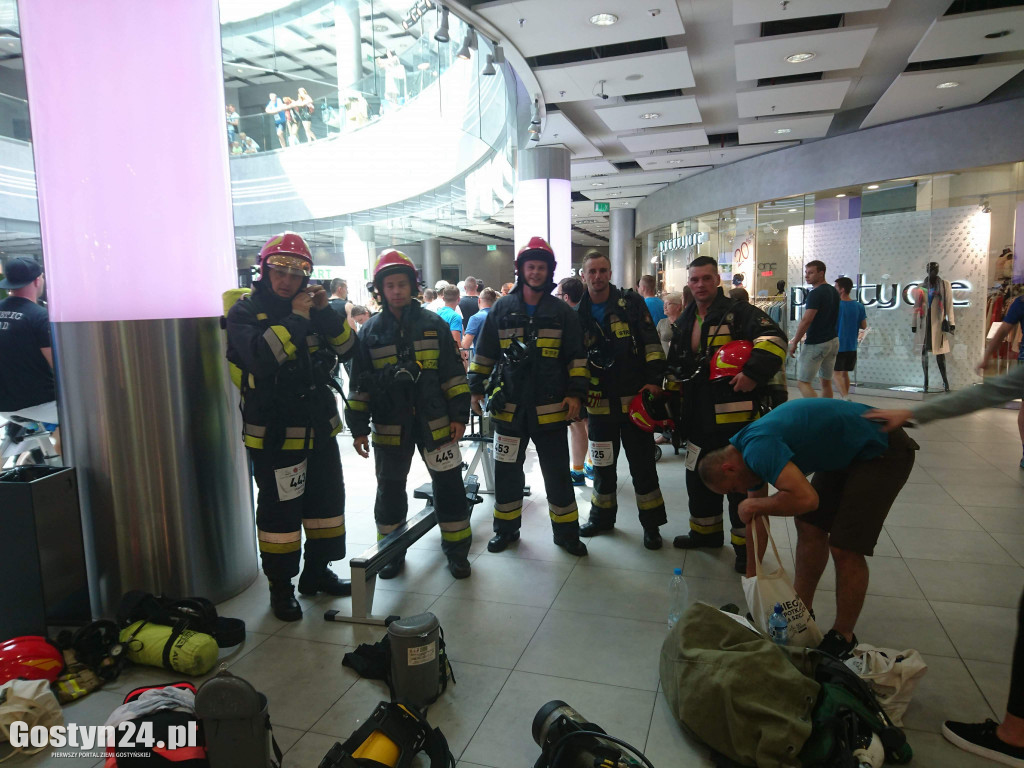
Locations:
column 431, row 261
column 621, row 252
column 543, row 203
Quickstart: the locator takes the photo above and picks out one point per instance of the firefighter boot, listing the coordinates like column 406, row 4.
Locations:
column 652, row 537
column 500, row 541
column 393, row 568
column 694, row 540
column 283, row 602
column 318, row 577
column 459, row 566
column 572, row 545
column 741, row 558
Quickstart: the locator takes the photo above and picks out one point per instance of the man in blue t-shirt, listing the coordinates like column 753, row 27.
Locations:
column 820, row 324
column 858, row 472
column 448, row 313
column 852, row 320
column 647, row 287
column 476, row 321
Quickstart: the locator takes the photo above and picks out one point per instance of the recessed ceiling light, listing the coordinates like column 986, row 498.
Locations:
column 792, row 210
column 799, row 58
column 841, row 194
column 423, row 65
column 674, row 162
column 948, row 84
column 650, row 115
column 634, row 78
column 783, row 130
column 603, row 19
column 997, row 35
column 597, row 183
column 380, row 27
column 872, row 186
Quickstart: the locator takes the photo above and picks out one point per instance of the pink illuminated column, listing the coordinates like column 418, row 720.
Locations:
column 543, row 203
column 127, row 115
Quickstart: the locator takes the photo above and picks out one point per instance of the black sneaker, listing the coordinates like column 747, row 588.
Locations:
column 981, row 739
column 834, row 644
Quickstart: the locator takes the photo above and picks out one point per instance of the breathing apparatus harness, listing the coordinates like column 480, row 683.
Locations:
column 392, row 735
column 518, row 355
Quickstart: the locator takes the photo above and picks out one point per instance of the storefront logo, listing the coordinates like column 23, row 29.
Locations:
column 885, row 296
column 682, row 241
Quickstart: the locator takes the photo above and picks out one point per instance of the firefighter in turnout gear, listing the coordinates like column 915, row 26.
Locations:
column 712, row 411
column 283, row 342
column 408, row 379
column 625, row 356
column 531, row 365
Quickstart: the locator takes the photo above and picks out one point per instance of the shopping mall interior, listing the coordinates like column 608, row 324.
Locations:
column 875, row 136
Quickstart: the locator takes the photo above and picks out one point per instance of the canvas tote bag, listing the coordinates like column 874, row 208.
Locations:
column 764, row 590
column 28, row 701
column 891, row 675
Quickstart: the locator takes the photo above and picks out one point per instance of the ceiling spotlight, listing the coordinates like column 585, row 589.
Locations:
column 464, row 51
column 489, row 70
column 674, row 162
column 534, row 136
column 985, row 207
column 441, row 35
column 783, row 130
column 603, row 19
column 597, row 184
column 650, row 115
column 792, row 210
column 948, row 84
column 841, row 194
column 599, row 90
column 799, row 58
column 997, row 35
column 472, row 38
column 423, row 65
column 872, row 186
column 499, row 54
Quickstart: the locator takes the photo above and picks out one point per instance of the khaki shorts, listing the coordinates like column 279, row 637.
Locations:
column 854, row 502
column 817, row 359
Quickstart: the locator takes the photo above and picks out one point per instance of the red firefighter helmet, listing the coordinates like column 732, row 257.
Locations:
column 730, row 359
column 288, row 252
column 392, row 262
column 650, row 413
column 536, row 249
column 31, row 658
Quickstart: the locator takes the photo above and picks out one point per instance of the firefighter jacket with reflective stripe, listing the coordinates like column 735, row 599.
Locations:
column 624, row 352
column 282, row 363
column 407, row 374
column 530, row 364
column 712, row 411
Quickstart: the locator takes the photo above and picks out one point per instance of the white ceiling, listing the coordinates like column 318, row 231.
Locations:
column 537, row 27
column 789, row 99
column 756, row 11
column 622, row 75
column 664, row 139
column 765, row 130
column 629, row 117
column 833, row 49
column 560, row 130
column 964, row 35
column 708, row 157
column 606, row 194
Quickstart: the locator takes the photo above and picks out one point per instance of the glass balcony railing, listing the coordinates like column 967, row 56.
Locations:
column 14, row 118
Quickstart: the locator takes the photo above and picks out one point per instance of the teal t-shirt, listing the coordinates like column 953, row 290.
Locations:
column 597, row 311
column 816, row 434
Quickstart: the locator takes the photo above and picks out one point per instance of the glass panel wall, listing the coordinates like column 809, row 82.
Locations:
column 882, row 236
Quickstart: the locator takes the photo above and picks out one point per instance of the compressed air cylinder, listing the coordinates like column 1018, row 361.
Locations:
column 415, row 662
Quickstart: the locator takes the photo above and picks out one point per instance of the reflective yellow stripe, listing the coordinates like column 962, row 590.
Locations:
column 555, row 343
column 550, row 418
column 383, row 361
column 357, row 405
column 650, row 500
column 236, row 375
column 579, row 372
column 714, row 528
column 279, row 549
column 459, row 535
column 673, row 386
column 511, row 515
column 279, row 341
column 505, row 343
column 441, row 433
column 386, row 439
column 605, row 500
column 428, row 365
column 733, row 418
column 478, row 367
column 325, row 533
column 502, row 416
column 599, row 410
column 566, row 518
column 770, row 346
column 461, row 389
column 718, row 341
column 427, row 354
column 737, row 541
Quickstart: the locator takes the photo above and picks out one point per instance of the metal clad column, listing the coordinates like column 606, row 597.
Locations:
column 348, row 45
column 431, row 261
column 621, row 252
column 139, row 245
column 543, row 203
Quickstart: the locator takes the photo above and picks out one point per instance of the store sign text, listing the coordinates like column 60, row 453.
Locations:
column 683, row 241
column 884, row 296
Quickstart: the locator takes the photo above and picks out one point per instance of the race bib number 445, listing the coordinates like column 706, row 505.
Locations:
column 291, row 481
column 506, row 448
column 448, row 456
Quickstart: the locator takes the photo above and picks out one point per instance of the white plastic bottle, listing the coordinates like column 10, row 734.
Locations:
column 678, row 597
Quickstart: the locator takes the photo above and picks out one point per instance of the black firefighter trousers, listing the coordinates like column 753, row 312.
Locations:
column 299, row 490
column 553, row 455
column 639, row 448
column 391, row 507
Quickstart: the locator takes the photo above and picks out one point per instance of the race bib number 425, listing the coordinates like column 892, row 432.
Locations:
column 291, row 481
column 446, row 457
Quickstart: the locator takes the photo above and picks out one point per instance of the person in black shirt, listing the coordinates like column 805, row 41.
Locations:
column 821, row 325
column 469, row 304
column 339, row 296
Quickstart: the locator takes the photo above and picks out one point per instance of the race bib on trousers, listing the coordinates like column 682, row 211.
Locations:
column 448, row 456
column 506, row 448
column 291, row 481
column 601, row 453
column 692, row 454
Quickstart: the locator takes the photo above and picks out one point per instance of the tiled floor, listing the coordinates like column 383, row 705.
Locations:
column 534, row 624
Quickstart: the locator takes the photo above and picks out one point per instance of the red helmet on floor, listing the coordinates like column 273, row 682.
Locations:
column 730, row 359
column 31, row 658
column 288, row 252
column 393, row 262
column 650, row 412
